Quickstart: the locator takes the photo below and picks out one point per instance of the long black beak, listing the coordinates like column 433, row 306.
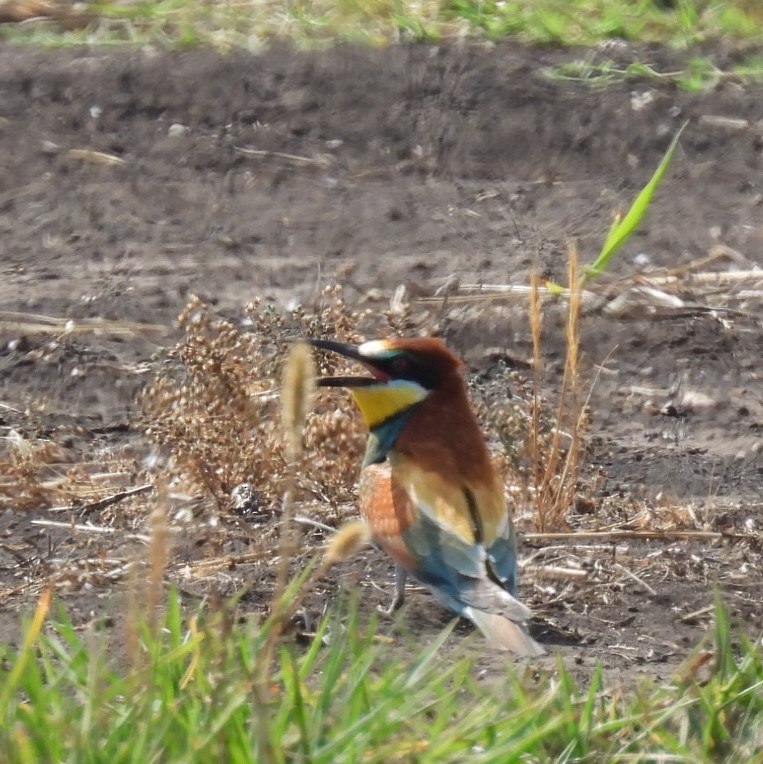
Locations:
column 348, row 351
column 343, row 348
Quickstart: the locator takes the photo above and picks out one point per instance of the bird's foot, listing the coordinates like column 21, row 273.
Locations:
column 394, row 606
column 399, row 598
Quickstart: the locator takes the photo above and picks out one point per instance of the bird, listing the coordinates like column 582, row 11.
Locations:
column 429, row 492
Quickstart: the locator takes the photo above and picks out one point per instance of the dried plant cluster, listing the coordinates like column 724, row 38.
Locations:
column 23, row 464
column 36, row 472
column 214, row 405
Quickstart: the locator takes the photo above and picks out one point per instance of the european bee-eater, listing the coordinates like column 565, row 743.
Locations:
column 429, row 491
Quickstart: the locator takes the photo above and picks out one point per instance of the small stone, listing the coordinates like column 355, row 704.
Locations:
column 642, row 260
column 584, row 505
column 640, row 101
column 245, row 499
column 176, row 130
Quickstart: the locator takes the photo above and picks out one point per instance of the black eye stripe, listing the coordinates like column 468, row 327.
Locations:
column 414, row 369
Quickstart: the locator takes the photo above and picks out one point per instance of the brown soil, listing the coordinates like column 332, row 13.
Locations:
column 374, row 169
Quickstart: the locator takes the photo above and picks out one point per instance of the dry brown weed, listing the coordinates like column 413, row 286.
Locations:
column 36, row 472
column 214, row 405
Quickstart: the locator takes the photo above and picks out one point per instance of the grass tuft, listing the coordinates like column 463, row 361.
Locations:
column 558, row 448
column 237, row 24
column 348, row 696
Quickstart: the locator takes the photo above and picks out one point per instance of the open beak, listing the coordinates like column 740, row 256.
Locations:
column 352, row 352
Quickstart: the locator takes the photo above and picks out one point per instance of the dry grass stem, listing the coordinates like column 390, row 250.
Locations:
column 313, row 523
column 295, row 158
column 296, row 399
column 627, row 535
column 536, row 317
column 158, row 556
column 35, row 323
column 697, row 613
column 555, row 573
column 640, row 581
column 297, row 394
column 106, row 501
column 96, row 157
column 574, row 415
column 556, row 463
column 96, row 529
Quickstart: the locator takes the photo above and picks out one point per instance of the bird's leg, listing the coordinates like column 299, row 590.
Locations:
column 399, row 598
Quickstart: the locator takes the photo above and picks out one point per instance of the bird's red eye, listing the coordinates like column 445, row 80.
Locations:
column 400, row 365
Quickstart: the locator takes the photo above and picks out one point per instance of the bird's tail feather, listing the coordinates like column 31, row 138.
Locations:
column 505, row 634
column 482, row 594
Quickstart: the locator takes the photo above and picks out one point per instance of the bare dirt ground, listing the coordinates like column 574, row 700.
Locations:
column 275, row 175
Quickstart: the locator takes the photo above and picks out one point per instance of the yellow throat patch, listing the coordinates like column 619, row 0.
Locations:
column 377, row 403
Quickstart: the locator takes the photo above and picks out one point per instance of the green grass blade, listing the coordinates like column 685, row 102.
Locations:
column 424, row 661
column 26, row 653
column 351, row 697
column 623, row 229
